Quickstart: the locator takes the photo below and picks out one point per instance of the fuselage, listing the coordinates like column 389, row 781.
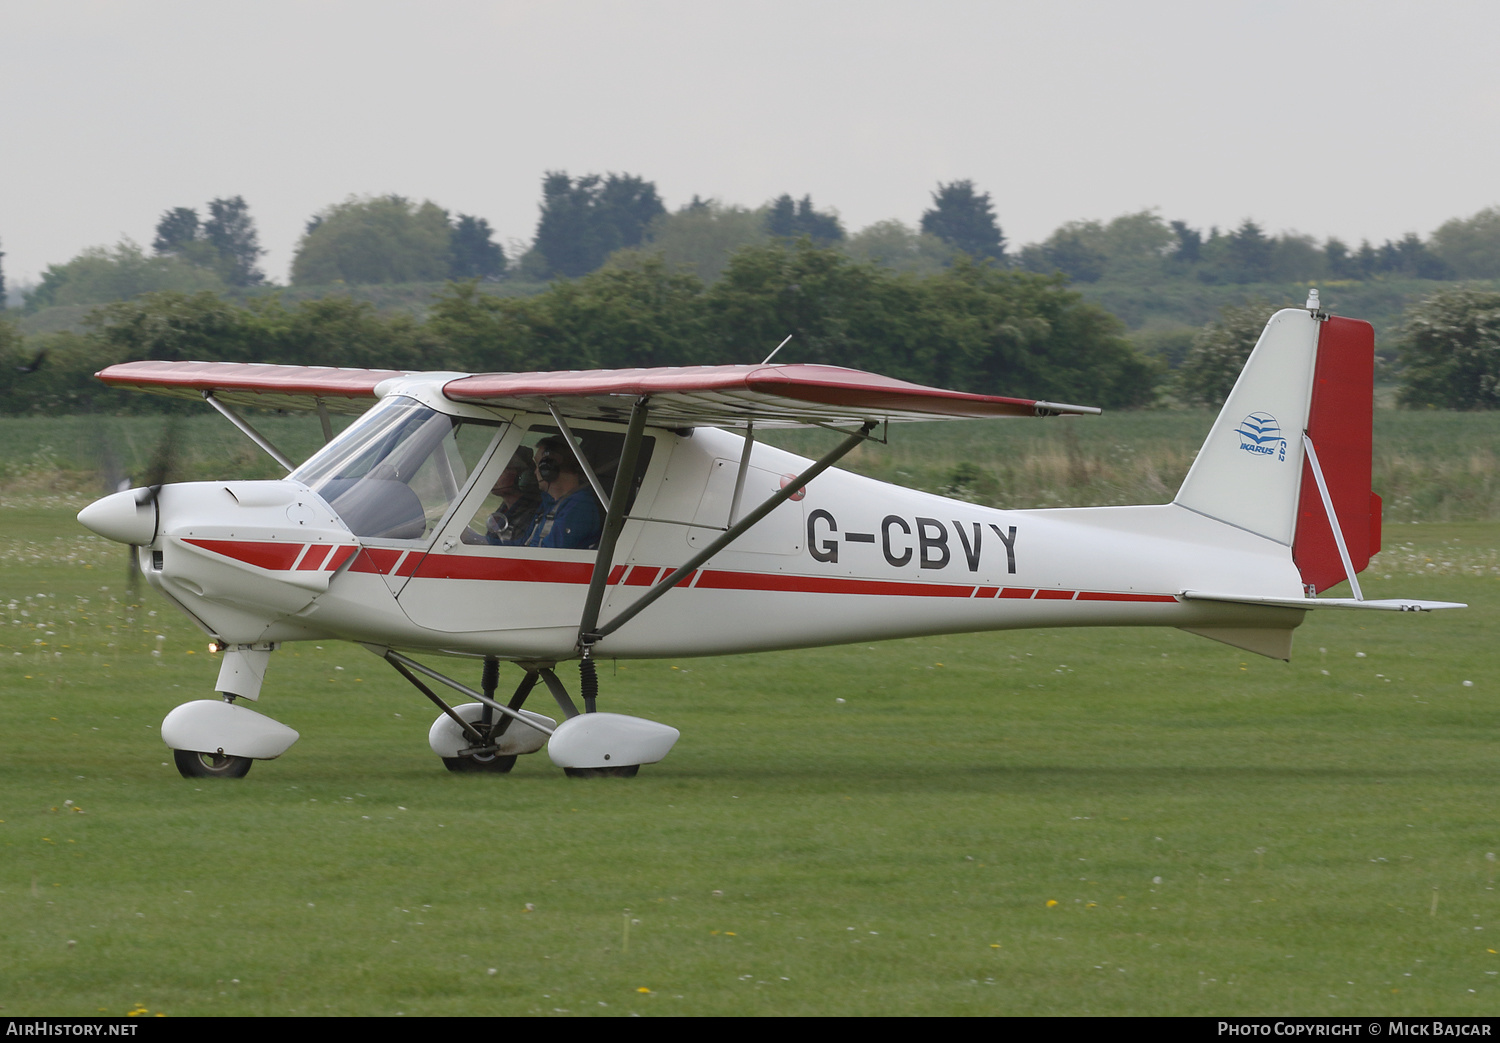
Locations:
column 847, row 559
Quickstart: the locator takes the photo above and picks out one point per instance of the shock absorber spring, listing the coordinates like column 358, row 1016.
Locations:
column 588, row 679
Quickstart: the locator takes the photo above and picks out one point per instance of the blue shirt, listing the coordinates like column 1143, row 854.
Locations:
column 576, row 522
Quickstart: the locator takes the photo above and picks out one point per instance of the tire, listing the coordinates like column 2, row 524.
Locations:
column 624, row 771
column 193, row 765
column 493, row 765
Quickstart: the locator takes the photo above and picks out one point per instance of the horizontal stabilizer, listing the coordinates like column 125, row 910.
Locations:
column 1385, row 605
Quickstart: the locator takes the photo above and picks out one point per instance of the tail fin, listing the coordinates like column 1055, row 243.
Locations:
column 1311, row 374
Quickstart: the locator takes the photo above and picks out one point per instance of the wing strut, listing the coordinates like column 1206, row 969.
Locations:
column 324, row 420
column 588, row 470
column 739, row 479
column 592, row 634
column 250, row 432
column 614, row 520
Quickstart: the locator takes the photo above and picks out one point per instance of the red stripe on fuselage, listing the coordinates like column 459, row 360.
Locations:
column 339, row 556
column 378, row 560
column 1104, row 595
column 385, row 561
column 277, row 557
column 534, row 570
column 314, row 558
column 713, row 579
column 514, row 570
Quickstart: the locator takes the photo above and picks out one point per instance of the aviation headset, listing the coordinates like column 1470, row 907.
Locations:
column 548, row 468
column 526, row 480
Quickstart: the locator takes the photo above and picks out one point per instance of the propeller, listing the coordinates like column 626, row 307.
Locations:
column 126, row 527
column 163, row 464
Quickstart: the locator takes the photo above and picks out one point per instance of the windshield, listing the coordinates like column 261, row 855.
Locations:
column 395, row 471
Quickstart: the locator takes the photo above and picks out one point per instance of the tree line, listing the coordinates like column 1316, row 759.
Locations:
column 708, row 281
column 1449, row 352
column 590, row 221
column 972, row 326
column 584, row 223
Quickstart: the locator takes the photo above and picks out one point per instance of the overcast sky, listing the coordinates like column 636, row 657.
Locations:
column 1358, row 119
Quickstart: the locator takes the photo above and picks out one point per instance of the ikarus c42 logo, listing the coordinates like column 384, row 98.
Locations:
column 1261, row 434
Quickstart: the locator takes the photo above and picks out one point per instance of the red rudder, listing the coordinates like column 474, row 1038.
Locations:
column 1340, row 425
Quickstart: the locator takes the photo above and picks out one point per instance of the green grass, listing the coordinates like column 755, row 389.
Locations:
column 67, row 453
column 1429, row 466
column 1221, row 834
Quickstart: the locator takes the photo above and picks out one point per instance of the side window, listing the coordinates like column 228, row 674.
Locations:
column 394, row 474
column 542, row 497
column 442, row 476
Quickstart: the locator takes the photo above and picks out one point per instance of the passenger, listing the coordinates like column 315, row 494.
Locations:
column 520, row 497
column 570, row 516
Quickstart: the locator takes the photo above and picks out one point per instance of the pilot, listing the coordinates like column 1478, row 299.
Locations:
column 570, row 516
column 520, row 497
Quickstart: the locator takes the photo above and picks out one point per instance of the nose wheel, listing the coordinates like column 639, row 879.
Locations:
column 194, row 765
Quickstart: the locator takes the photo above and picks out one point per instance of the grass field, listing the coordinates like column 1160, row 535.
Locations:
column 1429, row 466
column 1106, row 822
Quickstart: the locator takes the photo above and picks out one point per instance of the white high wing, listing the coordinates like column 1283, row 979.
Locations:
column 706, row 541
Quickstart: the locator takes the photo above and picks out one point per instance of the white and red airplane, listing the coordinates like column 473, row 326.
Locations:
column 708, row 542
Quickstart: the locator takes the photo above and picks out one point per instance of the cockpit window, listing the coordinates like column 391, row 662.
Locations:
column 394, row 473
column 554, row 507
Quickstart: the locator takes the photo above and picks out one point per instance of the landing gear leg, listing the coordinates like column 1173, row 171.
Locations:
column 584, row 745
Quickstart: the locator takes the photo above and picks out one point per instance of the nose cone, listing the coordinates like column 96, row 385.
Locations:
column 121, row 518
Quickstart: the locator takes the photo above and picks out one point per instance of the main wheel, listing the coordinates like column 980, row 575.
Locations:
column 194, row 765
column 624, row 771
column 495, row 765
